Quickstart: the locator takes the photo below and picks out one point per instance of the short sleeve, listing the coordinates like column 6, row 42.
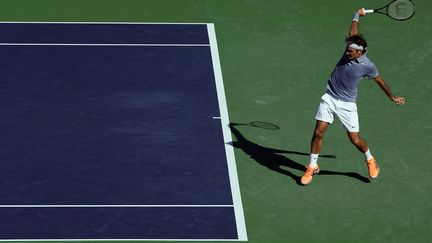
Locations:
column 372, row 71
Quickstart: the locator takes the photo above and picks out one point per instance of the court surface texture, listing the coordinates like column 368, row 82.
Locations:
column 113, row 131
column 275, row 58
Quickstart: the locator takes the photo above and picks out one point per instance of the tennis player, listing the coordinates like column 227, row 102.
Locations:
column 340, row 99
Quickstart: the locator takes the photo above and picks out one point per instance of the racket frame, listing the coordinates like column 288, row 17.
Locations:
column 379, row 10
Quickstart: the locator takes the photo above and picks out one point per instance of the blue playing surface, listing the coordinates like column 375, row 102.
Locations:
column 86, row 124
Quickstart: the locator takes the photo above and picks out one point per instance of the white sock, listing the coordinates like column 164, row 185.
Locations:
column 313, row 160
column 368, row 155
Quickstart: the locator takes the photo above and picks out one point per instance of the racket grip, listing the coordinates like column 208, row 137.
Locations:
column 368, row 11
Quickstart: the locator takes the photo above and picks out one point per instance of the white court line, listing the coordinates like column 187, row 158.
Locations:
column 105, row 240
column 116, row 206
column 99, row 22
column 232, row 167
column 101, row 44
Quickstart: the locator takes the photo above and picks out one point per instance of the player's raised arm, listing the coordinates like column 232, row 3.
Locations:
column 355, row 22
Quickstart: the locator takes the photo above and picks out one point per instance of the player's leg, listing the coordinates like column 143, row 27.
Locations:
column 316, row 144
column 318, row 136
column 324, row 117
column 358, row 142
column 347, row 113
column 362, row 146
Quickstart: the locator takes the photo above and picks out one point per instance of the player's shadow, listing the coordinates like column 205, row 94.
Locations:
column 273, row 160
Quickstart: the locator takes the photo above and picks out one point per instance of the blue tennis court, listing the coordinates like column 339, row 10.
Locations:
column 115, row 131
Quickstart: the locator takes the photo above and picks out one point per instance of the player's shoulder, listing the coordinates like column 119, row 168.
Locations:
column 364, row 60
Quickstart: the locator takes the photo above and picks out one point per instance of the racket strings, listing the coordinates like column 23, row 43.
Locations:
column 401, row 9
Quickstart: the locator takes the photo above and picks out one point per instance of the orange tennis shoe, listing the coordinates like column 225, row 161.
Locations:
column 307, row 177
column 373, row 168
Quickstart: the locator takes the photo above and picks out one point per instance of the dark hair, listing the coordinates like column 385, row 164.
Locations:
column 357, row 39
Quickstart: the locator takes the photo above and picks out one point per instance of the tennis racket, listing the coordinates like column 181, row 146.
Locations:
column 397, row 9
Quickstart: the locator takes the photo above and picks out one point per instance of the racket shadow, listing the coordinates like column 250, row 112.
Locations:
column 273, row 160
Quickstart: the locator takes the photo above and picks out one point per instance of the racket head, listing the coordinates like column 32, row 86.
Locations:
column 401, row 10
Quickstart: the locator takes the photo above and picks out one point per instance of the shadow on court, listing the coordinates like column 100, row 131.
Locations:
column 273, row 160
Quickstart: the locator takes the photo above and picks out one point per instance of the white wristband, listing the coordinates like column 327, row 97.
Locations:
column 356, row 17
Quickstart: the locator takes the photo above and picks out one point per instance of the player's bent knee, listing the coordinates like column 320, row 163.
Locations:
column 318, row 134
column 355, row 139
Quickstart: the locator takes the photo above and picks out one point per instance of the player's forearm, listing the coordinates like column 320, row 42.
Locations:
column 384, row 87
column 354, row 30
column 396, row 99
column 354, row 25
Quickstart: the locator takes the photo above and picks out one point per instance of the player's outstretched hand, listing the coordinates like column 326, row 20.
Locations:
column 361, row 12
column 398, row 100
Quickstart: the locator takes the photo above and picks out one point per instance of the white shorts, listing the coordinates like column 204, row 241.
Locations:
column 346, row 111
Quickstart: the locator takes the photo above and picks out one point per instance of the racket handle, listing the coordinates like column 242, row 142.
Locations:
column 368, row 11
